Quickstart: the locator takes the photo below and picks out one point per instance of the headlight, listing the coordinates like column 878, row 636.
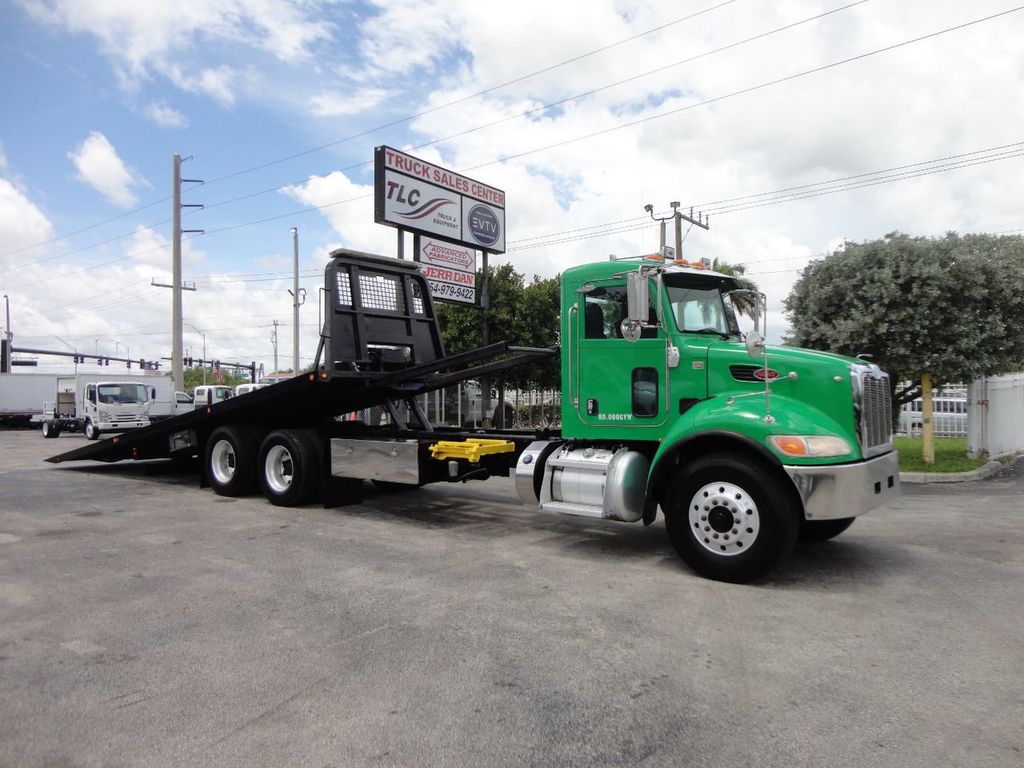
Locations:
column 810, row 445
column 104, row 416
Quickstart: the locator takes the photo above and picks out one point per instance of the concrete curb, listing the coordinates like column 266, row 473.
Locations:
column 955, row 477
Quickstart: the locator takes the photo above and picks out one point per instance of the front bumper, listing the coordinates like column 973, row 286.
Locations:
column 847, row 490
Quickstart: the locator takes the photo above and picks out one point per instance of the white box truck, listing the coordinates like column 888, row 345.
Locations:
column 22, row 395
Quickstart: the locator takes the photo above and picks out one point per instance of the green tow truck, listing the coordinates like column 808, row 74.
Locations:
column 665, row 405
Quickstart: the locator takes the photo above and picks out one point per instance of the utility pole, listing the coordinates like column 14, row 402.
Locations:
column 8, row 338
column 678, row 218
column 273, row 339
column 177, row 364
column 298, row 299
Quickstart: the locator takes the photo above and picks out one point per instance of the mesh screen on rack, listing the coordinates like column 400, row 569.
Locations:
column 344, row 289
column 381, row 292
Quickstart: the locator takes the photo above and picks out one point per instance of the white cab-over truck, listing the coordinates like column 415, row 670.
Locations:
column 95, row 404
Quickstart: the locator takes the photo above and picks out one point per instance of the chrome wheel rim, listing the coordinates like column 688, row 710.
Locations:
column 222, row 461
column 724, row 519
column 279, row 469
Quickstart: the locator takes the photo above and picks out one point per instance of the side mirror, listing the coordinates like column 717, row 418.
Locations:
column 638, row 298
column 152, row 393
column 755, row 344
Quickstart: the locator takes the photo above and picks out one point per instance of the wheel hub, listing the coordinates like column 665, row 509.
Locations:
column 222, row 462
column 279, row 469
column 724, row 519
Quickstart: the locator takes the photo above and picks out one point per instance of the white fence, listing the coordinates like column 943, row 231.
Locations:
column 949, row 413
column 995, row 416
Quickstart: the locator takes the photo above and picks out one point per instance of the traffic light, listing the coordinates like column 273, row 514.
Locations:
column 188, row 361
column 216, row 365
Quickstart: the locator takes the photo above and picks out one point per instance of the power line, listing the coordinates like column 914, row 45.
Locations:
column 393, row 123
column 743, row 91
column 544, row 107
column 526, row 113
column 483, row 92
column 632, row 123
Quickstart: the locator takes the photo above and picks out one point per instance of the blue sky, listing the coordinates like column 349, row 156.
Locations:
column 99, row 95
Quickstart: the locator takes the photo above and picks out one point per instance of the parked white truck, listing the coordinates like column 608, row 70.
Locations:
column 94, row 404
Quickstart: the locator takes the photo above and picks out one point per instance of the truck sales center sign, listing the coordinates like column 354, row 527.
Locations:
column 414, row 195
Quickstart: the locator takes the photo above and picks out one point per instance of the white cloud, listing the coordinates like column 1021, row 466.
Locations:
column 3, row 158
column 348, row 207
column 22, row 224
column 165, row 116
column 100, row 167
column 145, row 38
column 334, row 104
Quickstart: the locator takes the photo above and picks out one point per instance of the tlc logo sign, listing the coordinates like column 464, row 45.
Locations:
column 397, row 193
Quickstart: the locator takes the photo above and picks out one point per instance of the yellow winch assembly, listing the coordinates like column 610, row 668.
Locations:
column 471, row 449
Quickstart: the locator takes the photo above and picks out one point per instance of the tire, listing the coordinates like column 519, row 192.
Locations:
column 702, row 508
column 823, row 530
column 91, row 432
column 50, row 430
column 289, row 467
column 230, row 460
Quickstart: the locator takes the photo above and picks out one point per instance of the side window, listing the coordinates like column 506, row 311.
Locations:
column 604, row 310
column 645, row 392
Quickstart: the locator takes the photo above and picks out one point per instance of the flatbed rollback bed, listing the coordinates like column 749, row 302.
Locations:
column 380, row 347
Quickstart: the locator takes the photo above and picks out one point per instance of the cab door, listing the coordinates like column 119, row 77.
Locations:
column 630, row 387
column 620, row 383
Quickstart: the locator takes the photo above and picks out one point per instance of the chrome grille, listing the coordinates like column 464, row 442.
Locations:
column 875, row 417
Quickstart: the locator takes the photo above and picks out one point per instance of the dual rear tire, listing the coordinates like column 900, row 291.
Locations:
column 286, row 464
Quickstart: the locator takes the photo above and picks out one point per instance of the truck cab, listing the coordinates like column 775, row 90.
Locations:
column 114, row 406
column 208, row 394
column 744, row 447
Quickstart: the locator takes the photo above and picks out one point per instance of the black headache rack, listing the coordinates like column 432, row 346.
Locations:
column 379, row 346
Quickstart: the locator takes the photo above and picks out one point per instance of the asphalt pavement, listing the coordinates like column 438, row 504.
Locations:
column 147, row 622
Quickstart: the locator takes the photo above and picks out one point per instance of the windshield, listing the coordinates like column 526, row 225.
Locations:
column 699, row 307
column 120, row 394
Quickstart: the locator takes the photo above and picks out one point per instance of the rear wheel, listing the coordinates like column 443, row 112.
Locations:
column 289, row 467
column 92, row 432
column 729, row 518
column 231, row 454
column 823, row 530
column 50, row 429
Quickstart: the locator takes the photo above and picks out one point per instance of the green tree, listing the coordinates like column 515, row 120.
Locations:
column 952, row 306
column 523, row 315
column 194, row 378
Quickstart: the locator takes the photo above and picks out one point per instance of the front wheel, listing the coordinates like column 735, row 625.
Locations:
column 289, row 467
column 92, row 432
column 730, row 519
column 823, row 530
